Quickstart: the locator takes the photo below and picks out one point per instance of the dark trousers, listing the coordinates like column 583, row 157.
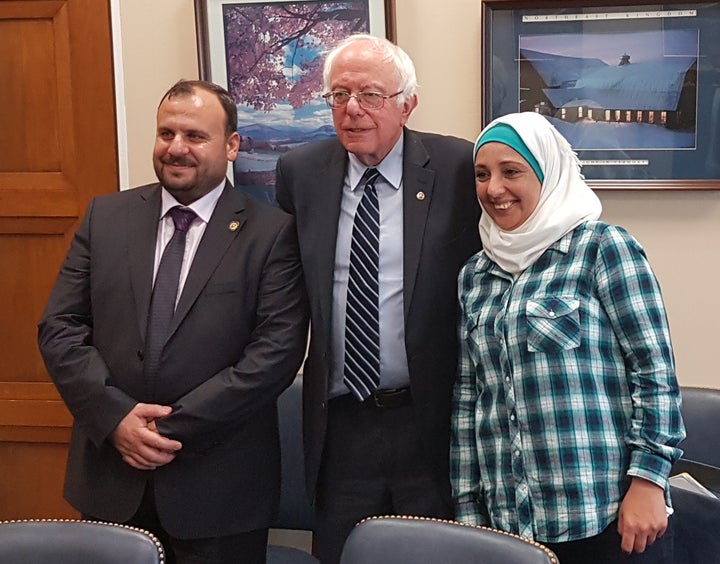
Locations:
column 605, row 549
column 244, row 548
column 372, row 465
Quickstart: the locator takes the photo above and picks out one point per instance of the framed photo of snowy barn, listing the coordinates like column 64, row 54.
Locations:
column 634, row 88
column 269, row 56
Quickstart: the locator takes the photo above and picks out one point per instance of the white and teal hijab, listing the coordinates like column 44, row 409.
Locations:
column 565, row 202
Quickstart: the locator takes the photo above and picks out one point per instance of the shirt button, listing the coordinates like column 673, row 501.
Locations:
column 512, row 417
column 551, row 314
column 507, row 379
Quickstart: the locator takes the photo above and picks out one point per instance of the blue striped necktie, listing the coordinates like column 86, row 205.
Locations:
column 362, row 325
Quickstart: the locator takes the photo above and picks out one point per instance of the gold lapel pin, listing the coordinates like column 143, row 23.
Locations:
column 233, row 226
column 420, row 196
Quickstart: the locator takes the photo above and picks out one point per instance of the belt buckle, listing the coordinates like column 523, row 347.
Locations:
column 377, row 398
column 392, row 397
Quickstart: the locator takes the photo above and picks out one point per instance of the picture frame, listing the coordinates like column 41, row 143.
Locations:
column 269, row 57
column 634, row 88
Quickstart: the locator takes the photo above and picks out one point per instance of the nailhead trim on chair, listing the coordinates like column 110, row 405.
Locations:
column 156, row 541
column 550, row 554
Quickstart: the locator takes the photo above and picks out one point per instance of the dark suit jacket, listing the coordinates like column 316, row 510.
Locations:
column 440, row 233
column 237, row 340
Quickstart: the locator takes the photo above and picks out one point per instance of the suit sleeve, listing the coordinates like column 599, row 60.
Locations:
column 65, row 339
column 270, row 360
column 282, row 195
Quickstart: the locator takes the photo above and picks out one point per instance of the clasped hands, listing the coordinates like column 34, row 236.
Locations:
column 138, row 440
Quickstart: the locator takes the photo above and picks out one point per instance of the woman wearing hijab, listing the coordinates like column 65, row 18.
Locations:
column 566, row 411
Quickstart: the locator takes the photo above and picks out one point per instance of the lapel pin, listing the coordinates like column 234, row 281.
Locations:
column 420, row 196
column 233, row 226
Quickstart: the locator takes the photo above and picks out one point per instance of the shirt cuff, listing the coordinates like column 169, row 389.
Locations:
column 650, row 467
column 470, row 513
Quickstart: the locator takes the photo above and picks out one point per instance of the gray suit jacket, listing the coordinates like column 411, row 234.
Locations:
column 440, row 233
column 237, row 340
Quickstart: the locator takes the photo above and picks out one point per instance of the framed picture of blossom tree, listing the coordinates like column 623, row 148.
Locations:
column 269, row 56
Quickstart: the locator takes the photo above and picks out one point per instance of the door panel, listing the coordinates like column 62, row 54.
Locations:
column 57, row 150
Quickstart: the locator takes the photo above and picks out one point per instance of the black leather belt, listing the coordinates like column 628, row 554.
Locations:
column 393, row 397
column 383, row 399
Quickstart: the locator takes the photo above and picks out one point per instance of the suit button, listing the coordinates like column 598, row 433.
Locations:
column 140, row 355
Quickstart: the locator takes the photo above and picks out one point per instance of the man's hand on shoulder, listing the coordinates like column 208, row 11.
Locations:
column 136, row 437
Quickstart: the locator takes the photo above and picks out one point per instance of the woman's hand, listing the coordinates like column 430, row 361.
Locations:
column 643, row 517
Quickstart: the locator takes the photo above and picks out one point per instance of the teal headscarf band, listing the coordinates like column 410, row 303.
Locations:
column 504, row 133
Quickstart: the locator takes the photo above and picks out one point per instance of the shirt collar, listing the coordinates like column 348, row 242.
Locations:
column 563, row 243
column 203, row 207
column 390, row 167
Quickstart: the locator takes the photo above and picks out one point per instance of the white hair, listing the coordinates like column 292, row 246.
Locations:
column 404, row 67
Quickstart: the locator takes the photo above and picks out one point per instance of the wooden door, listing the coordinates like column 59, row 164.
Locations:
column 57, row 150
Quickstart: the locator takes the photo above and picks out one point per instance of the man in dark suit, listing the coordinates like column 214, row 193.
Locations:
column 180, row 439
column 379, row 447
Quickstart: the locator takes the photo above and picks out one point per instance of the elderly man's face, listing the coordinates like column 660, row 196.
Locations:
column 368, row 134
column 192, row 148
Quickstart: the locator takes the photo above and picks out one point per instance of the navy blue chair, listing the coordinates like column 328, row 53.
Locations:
column 701, row 414
column 421, row 540
column 701, row 448
column 695, row 522
column 296, row 512
column 57, row 541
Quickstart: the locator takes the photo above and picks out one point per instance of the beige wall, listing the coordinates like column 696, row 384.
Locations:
column 680, row 230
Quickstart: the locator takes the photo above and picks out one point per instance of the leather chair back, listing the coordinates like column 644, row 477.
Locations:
column 701, row 448
column 420, row 540
column 74, row 542
column 701, row 414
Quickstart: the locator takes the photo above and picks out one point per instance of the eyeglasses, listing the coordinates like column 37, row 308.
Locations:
column 367, row 100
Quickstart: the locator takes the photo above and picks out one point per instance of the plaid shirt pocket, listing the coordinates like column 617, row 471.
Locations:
column 553, row 324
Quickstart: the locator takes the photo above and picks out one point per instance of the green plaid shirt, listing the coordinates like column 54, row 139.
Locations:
column 566, row 387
